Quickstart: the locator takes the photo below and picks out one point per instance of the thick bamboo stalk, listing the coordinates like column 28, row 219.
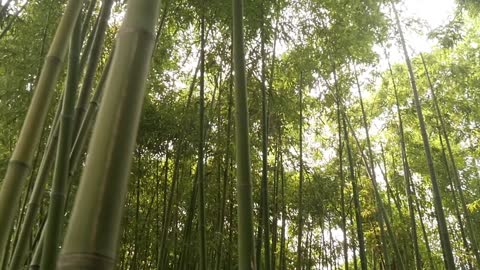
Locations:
column 20, row 162
column 246, row 249
column 35, row 198
column 37, row 253
column 46, row 164
column 93, row 233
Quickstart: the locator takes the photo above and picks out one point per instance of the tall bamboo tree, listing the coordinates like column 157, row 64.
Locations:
column 453, row 164
column 201, row 175
column 246, row 249
column 356, row 196
column 406, row 175
column 264, row 185
column 54, row 223
column 439, row 212
column 340, row 169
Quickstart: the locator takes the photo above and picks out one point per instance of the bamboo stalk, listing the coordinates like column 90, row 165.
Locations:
column 246, row 249
column 93, row 233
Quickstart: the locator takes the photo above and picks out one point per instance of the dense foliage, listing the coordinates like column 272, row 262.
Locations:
column 348, row 169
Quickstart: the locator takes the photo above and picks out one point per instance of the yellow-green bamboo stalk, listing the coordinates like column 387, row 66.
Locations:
column 35, row 198
column 21, row 160
column 93, row 233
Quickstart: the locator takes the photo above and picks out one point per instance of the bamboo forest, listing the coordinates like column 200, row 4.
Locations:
column 240, row 134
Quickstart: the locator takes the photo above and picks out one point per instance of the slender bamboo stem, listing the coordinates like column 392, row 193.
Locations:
column 93, row 60
column 369, row 162
column 201, row 155
column 264, row 184
column 301, row 180
column 340, row 170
